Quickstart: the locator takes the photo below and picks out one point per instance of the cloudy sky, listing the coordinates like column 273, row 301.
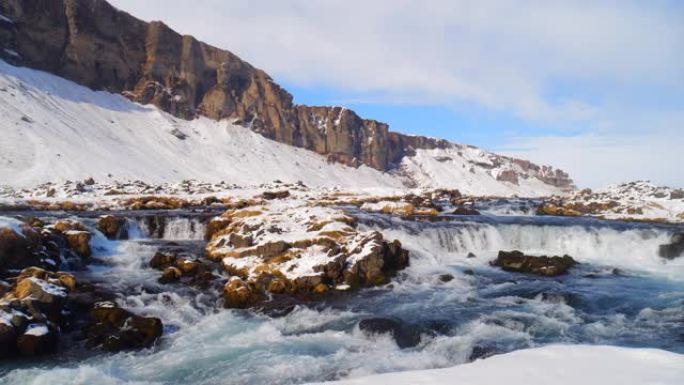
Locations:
column 593, row 87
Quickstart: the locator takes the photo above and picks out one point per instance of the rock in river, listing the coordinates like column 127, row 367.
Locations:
column 518, row 262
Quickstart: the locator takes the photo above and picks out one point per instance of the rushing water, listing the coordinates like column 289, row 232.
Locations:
column 623, row 293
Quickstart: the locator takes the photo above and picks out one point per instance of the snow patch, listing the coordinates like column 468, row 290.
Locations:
column 556, row 364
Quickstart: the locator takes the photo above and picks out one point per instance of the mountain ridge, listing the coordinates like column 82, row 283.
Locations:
column 96, row 45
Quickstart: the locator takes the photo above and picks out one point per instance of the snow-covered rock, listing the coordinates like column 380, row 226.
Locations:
column 639, row 200
column 293, row 247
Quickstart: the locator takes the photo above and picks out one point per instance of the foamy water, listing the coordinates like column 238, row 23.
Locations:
column 482, row 310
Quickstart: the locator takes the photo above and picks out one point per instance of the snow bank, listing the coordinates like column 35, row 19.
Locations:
column 557, row 364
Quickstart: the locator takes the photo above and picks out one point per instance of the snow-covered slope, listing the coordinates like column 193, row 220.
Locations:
column 558, row 365
column 55, row 130
column 472, row 170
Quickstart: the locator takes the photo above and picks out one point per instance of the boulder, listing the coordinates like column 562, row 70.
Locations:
column 170, row 274
column 237, row 294
column 117, row 329
column 40, row 291
column 674, row 249
column 112, row 227
column 37, row 340
column 160, row 260
column 464, row 210
column 404, row 335
column 516, row 261
column 79, row 241
column 18, row 250
column 270, row 195
column 553, row 209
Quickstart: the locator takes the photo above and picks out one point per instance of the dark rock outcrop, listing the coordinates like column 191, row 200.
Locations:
column 674, row 249
column 516, row 261
column 96, row 45
column 101, row 47
column 404, row 335
column 118, row 329
column 112, row 227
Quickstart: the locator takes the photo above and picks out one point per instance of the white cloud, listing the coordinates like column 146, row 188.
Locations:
column 522, row 57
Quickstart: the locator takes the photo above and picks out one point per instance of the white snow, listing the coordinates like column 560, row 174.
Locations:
column 473, row 172
column 36, row 330
column 556, row 364
column 49, row 288
column 54, row 130
column 639, row 199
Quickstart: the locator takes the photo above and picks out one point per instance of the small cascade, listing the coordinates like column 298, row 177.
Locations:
column 167, row 228
column 451, row 242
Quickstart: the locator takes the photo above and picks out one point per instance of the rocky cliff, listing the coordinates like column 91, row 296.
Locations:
column 94, row 44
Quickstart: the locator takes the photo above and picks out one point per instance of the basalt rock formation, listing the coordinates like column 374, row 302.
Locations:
column 96, row 45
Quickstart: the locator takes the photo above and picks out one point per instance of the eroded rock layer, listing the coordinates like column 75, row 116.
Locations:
column 99, row 46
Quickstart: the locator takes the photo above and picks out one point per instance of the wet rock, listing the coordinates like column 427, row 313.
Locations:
column 116, row 329
column 471, row 255
column 8, row 337
column 481, row 352
column 216, row 225
column 79, row 241
column 237, row 294
column 37, row 340
column 463, row 210
column 446, row 278
column 188, row 267
column 40, row 291
column 674, row 249
column 516, row 261
column 170, row 274
column 113, row 227
column 18, row 250
column 552, row 209
column 160, row 260
column 404, row 335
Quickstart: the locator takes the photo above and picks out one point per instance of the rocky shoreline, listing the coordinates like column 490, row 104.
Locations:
column 267, row 249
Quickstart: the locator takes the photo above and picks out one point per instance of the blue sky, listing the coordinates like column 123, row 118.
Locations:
column 593, row 87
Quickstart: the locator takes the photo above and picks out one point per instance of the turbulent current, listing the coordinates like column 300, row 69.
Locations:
column 622, row 293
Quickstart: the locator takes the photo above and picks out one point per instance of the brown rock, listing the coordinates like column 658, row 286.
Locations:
column 40, row 291
column 463, row 210
column 17, row 250
column 117, row 329
column 271, row 195
column 37, row 340
column 237, row 294
column 161, row 260
column 112, row 227
column 516, row 261
column 170, row 274
column 79, row 241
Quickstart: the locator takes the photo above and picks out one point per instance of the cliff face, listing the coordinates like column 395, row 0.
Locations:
column 94, row 44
